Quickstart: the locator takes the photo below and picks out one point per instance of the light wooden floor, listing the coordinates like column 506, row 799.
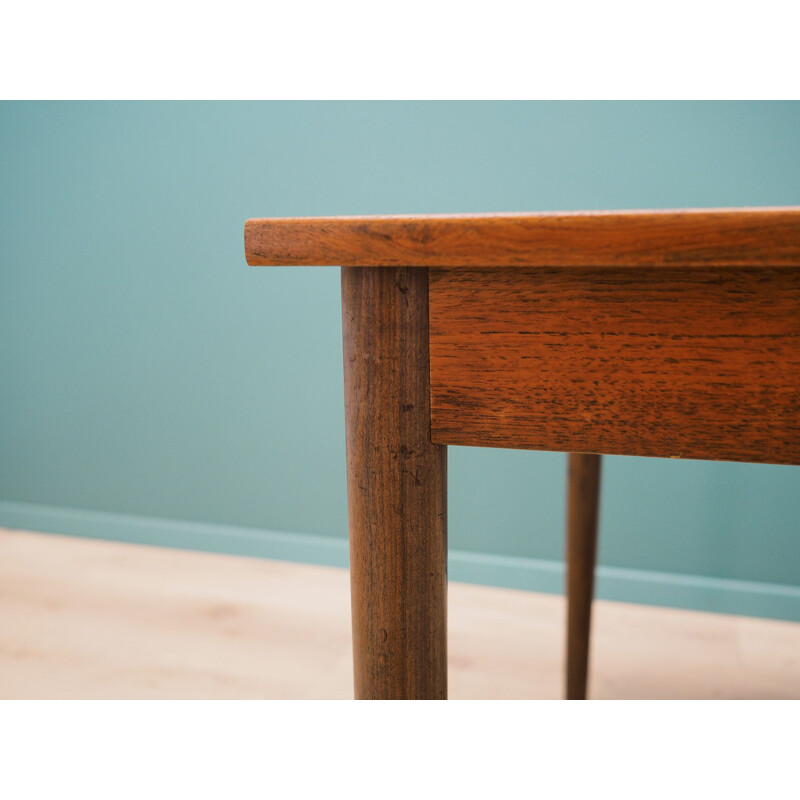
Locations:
column 90, row 619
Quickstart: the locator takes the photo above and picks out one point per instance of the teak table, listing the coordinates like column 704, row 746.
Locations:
column 650, row 333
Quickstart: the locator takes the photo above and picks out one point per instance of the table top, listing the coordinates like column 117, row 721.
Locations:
column 661, row 333
column 732, row 237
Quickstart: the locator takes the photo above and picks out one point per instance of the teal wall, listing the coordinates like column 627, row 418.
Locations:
column 148, row 374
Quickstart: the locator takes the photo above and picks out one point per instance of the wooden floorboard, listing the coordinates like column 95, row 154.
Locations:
column 88, row 619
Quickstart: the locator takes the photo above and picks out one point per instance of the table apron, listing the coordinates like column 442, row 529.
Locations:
column 671, row 362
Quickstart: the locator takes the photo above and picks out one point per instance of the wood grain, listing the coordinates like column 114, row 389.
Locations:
column 689, row 238
column 583, row 500
column 672, row 362
column 397, row 488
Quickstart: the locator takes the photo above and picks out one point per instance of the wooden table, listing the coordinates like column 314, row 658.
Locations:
column 652, row 333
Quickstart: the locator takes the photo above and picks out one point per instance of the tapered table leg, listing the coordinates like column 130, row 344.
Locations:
column 397, row 488
column 583, row 492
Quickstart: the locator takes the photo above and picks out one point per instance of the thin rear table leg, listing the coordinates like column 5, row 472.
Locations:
column 583, row 492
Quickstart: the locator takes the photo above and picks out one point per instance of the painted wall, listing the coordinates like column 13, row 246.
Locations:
column 147, row 371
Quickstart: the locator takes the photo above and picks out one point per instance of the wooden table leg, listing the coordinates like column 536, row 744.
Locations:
column 397, row 488
column 582, row 506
